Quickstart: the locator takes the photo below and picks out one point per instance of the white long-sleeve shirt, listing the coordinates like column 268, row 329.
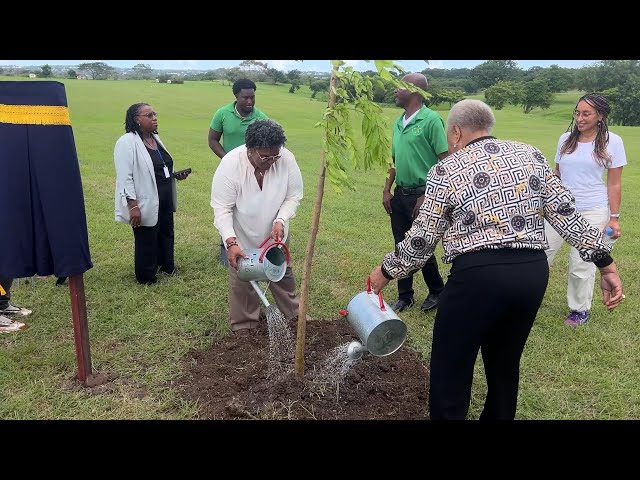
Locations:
column 244, row 211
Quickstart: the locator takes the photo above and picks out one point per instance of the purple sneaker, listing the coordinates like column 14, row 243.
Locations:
column 576, row 319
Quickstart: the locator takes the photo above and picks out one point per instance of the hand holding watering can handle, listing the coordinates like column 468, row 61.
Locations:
column 382, row 307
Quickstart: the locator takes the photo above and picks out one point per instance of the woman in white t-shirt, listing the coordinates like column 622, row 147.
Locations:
column 584, row 152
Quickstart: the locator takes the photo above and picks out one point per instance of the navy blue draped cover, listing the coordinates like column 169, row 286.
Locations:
column 43, row 226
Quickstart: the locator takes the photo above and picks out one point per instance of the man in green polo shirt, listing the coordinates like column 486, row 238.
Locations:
column 419, row 141
column 230, row 123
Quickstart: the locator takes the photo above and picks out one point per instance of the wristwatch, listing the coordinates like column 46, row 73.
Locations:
column 615, row 215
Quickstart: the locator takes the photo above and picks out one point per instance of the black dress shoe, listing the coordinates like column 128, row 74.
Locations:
column 401, row 304
column 430, row 302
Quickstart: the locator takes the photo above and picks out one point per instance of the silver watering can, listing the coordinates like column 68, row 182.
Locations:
column 377, row 325
column 264, row 263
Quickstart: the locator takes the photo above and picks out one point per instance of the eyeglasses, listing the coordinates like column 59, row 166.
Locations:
column 585, row 115
column 268, row 158
column 148, row 115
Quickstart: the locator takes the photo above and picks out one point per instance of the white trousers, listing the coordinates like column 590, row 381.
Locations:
column 582, row 275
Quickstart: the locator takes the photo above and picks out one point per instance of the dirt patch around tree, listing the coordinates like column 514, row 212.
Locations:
column 234, row 379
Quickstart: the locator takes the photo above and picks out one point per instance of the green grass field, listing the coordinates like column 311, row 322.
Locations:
column 142, row 333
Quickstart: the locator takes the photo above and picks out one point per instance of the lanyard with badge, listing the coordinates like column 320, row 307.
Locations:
column 164, row 165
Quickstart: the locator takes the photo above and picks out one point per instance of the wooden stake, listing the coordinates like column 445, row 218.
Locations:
column 80, row 326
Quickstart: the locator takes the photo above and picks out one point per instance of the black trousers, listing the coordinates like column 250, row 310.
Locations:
column 401, row 221
column 154, row 248
column 6, row 285
column 490, row 308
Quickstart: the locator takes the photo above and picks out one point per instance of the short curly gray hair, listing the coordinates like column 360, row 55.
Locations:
column 471, row 115
column 264, row 134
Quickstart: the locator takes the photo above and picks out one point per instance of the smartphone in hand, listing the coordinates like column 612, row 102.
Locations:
column 182, row 174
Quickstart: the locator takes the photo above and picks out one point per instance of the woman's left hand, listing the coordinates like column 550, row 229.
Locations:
column 615, row 226
column 277, row 232
column 378, row 280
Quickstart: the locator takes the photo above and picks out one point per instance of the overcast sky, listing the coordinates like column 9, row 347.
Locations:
column 303, row 65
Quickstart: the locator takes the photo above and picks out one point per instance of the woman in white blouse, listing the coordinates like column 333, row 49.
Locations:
column 255, row 191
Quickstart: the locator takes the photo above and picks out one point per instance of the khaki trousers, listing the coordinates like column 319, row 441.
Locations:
column 244, row 303
column 582, row 275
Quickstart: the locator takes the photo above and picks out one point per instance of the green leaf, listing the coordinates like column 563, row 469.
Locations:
column 354, row 92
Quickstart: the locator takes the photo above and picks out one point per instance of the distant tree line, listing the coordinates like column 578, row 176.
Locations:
column 501, row 82
column 619, row 80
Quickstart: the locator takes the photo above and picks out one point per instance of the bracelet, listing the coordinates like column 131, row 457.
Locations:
column 604, row 262
column 135, row 206
column 232, row 244
column 279, row 220
column 615, row 215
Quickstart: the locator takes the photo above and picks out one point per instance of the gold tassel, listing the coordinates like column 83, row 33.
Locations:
column 34, row 114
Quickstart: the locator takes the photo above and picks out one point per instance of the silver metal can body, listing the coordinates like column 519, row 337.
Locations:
column 272, row 267
column 380, row 330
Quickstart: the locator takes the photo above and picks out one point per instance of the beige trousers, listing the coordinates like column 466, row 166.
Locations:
column 244, row 303
column 582, row 275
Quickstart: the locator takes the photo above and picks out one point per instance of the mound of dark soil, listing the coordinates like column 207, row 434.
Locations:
column 233, row 380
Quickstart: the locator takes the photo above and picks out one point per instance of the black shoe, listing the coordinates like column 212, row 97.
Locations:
column 430, row 302
column 401, row 304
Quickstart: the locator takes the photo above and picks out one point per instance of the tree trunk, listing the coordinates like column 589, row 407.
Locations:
column 308, row 259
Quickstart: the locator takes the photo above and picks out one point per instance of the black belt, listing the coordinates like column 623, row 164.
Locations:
column 411, row 190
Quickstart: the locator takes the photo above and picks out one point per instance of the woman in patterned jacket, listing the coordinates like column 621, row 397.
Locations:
column 487, row 201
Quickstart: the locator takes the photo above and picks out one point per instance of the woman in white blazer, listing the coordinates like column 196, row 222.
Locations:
column 145, row 195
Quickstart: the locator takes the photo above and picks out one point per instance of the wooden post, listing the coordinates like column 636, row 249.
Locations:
column 80, row 326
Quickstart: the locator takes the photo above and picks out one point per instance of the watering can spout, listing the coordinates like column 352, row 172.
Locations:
column 260, row 293
column 355, row 350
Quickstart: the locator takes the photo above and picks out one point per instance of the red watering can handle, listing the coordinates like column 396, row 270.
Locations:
column 382, row 307
column 264, row 251
column 264, row 241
